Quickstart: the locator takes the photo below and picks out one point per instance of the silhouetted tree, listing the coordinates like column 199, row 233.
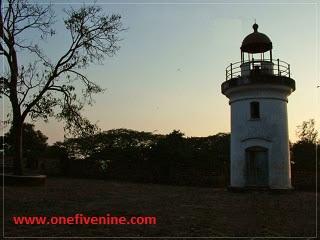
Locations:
column 45, row 87
column 34, row 146
column 59, row 151
column 304, row 150
column 307, row 131
column 125, row 154
column 96, row 146
column 170, row 157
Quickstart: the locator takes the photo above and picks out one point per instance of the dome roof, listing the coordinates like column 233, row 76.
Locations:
column 256, row 42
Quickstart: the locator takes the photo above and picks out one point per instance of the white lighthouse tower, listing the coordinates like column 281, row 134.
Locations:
column 258, row 88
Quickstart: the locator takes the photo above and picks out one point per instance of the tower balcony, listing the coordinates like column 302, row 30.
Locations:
column 271, row 67
column 275, row 72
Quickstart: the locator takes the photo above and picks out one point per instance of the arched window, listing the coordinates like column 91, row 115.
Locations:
column 255, row 110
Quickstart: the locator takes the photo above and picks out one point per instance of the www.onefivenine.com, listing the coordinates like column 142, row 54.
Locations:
column 81, row 219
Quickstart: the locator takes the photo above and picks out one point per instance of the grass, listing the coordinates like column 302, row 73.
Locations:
column 180, row 211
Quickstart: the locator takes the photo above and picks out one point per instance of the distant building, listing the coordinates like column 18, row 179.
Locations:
column 257, row 88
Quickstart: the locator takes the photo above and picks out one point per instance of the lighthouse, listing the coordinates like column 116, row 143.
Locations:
column 258, row 87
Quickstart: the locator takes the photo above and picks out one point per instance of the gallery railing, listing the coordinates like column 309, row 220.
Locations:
column 273, row 67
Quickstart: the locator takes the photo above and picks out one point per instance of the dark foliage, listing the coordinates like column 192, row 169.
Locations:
column 130, row 155
column 305, row 151
column 34, row 144
column 304, row 157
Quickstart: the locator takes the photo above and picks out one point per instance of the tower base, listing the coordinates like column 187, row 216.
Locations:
column 262, row 189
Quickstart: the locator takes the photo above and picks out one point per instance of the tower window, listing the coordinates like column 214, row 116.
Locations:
column 255, row 110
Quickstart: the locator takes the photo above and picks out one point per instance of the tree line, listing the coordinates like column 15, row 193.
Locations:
column 124, row 154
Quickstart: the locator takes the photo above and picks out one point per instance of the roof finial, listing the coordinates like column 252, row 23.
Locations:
column 255, row 26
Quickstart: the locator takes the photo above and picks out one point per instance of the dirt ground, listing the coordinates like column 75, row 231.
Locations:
column 180, row 211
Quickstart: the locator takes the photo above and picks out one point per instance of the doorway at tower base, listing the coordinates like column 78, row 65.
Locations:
column 259, row 163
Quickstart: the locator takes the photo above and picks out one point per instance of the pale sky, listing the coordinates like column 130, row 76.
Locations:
column 168, row 72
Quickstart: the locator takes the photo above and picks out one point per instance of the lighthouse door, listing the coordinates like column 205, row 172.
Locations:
column 256, row 166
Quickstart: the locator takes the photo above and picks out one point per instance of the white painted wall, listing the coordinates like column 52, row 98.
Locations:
column 270, row 131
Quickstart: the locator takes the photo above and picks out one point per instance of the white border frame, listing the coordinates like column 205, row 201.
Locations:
column 317, row 5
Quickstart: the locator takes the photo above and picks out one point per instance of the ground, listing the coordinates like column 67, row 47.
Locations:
column 180, row 211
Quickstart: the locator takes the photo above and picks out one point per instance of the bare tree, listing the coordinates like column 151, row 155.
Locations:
column 43, row 87
column 307, row 132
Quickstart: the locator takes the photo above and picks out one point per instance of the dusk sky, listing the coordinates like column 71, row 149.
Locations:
column 168, row 72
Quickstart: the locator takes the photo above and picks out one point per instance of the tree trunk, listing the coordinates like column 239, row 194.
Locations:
column 17, row 164
column 18, row 120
